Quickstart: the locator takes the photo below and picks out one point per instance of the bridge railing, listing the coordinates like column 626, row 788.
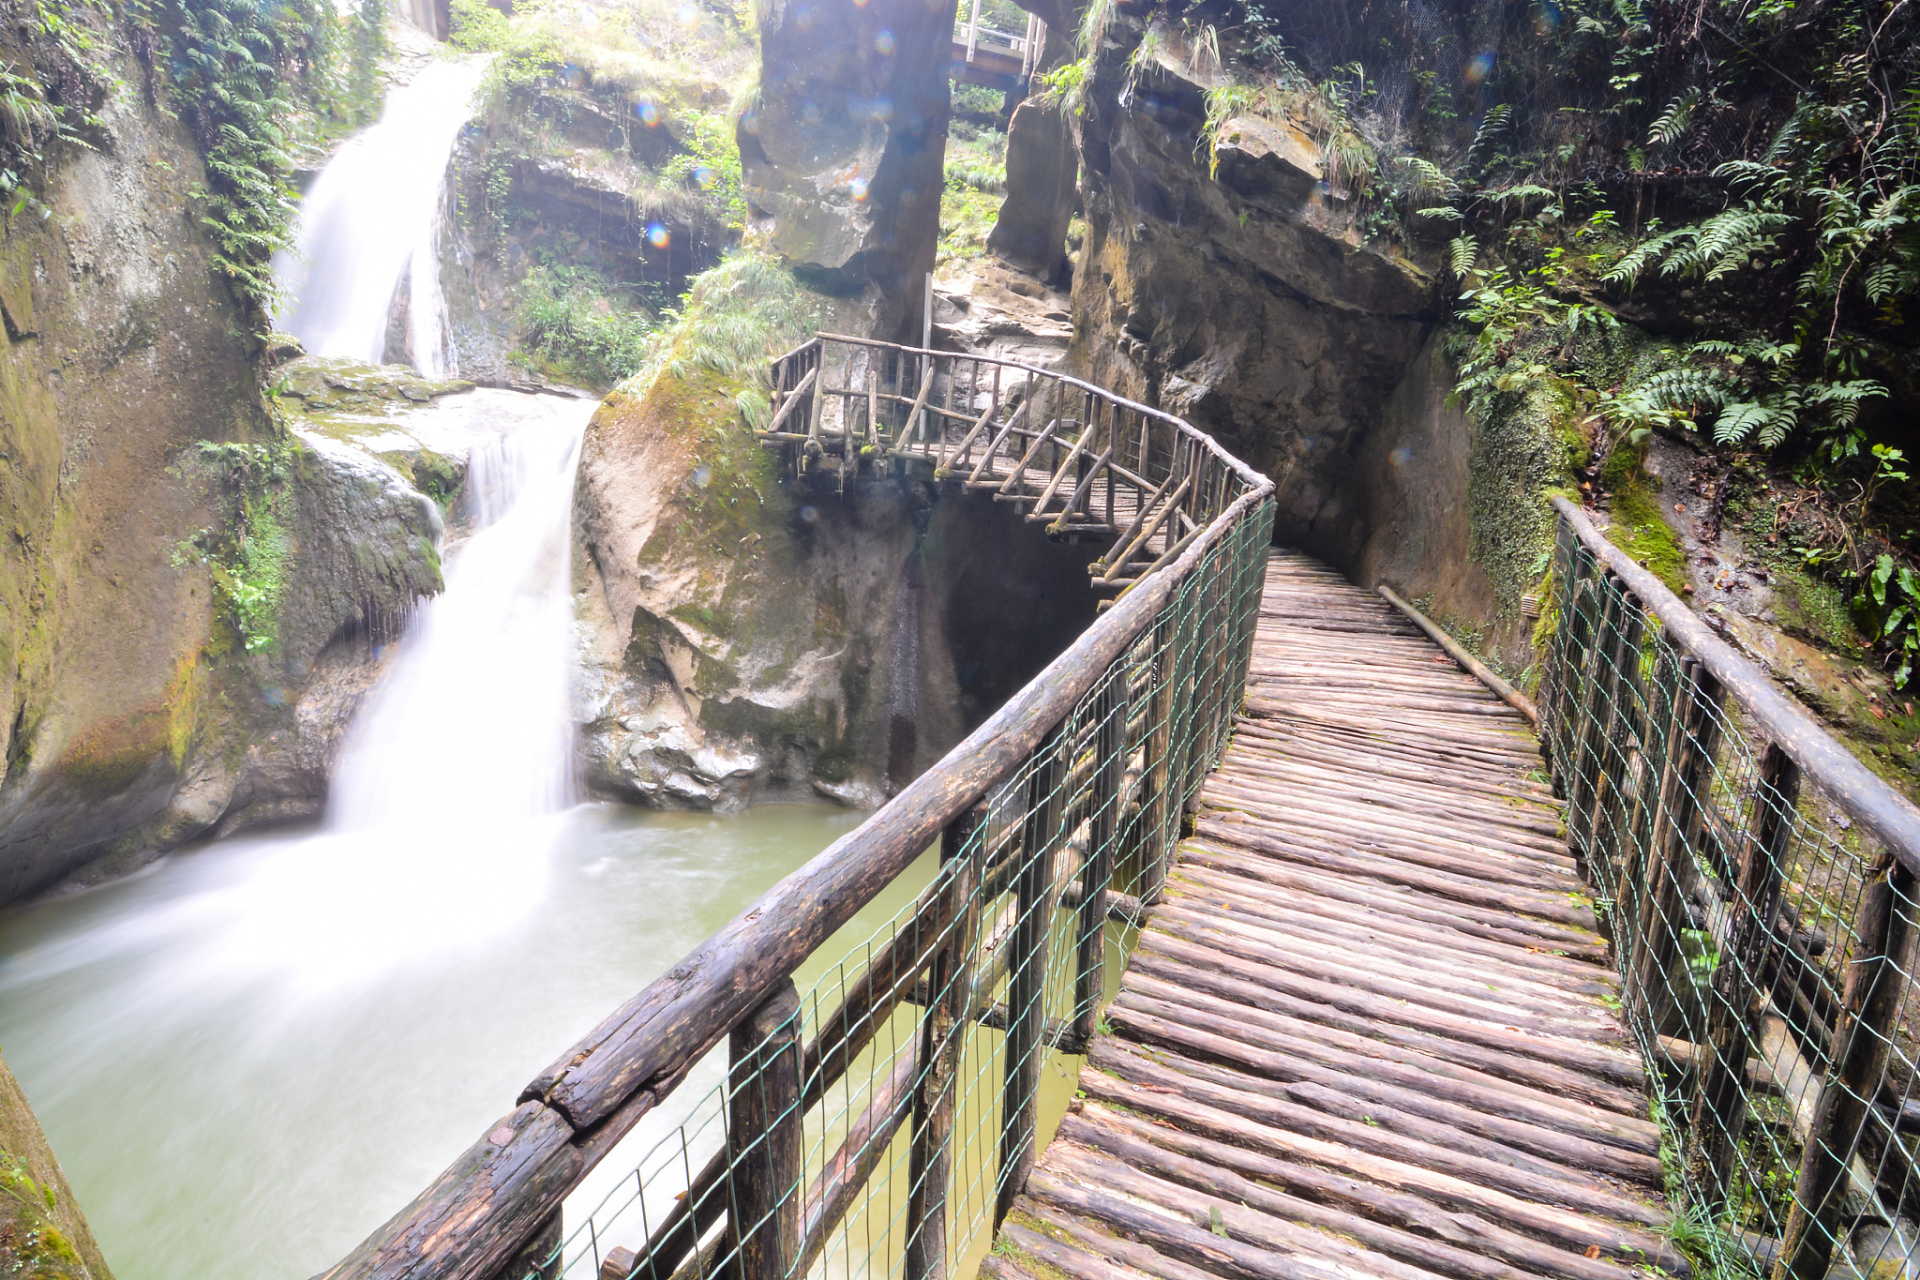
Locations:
column 1076, row 458
column 1758, row 883
column 878, row 1115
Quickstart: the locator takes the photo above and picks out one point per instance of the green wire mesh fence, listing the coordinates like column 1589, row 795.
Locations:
column 880, row 1120
column 1759, row 891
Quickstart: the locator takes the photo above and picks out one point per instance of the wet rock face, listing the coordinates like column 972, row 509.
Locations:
column 749, row 636
column 1243, row 301
column 122, row 349
column 843, row 156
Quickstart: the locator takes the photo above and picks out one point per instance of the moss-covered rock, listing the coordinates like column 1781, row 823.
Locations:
column 43, row 1234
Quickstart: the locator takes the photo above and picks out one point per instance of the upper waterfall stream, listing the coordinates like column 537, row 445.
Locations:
column 369, row 226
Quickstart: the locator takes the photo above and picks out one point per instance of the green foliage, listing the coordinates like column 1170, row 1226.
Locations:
column 528, row 50
column 249, row 555
column 735, row 318
column 1749, row 392
column 573, row 320
column 241, row 74
column 710, row 163
column 971, row 196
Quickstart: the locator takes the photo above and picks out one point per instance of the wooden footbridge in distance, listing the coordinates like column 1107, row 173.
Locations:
column 1414, row 978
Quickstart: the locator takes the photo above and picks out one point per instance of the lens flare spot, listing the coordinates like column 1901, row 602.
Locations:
column 687, row 16
column 803, row 18
column 572, row 76
column 703, row 177
column 884, row 42
column 1479, row 67
column 881, row 110
column 703, row 475
column 657, row 235
column 809, row 515
column 810, row 112
column 648, row 113
column 857, row 188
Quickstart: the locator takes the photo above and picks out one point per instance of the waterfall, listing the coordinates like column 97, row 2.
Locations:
column 469, row 730
column 369, row 228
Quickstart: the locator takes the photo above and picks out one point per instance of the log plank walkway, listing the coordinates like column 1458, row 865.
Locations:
column 1369, row 1030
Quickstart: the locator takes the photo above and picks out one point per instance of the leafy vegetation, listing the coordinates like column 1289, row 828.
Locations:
column 252, row 81
column 734, row 319
column 249, row 553
column 975, row 188
column 570, row 322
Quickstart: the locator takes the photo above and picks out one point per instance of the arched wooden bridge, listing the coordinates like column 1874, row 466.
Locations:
column 1272, row 937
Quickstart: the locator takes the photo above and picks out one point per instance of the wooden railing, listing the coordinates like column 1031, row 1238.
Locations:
column 1759, row 885
column 1081, row 461
column 1057, row 813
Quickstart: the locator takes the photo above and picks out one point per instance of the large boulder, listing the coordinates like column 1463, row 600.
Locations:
column 1031, row 230
column 844, row 154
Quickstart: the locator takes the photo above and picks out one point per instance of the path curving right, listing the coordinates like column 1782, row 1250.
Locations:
column 1369, row 1030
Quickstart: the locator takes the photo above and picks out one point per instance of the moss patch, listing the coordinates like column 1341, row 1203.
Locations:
column 1524, row 442
column 1642, row 532
column 31, row 1246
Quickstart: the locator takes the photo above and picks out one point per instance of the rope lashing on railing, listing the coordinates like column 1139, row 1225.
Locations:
column 1060, row 810
column 1766, row 955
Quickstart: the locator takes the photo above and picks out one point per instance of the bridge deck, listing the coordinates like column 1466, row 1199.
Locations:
column 1369, row 1029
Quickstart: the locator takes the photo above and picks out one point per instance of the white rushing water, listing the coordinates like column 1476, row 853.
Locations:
column 370, row 224
column 450, row 775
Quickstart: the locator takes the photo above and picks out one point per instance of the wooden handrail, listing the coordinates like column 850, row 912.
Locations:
column 1867, row 798
column 510, row 1183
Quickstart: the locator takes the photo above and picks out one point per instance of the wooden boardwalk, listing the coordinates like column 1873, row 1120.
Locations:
column 1369, row 1031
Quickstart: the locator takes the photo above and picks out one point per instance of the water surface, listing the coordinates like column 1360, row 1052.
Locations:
column 241, row 1083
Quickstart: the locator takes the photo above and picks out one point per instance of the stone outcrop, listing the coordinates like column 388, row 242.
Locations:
column 1031, row 230
column 1243, row 300
column 122, row 349
column 843, row 156
column 753, row 637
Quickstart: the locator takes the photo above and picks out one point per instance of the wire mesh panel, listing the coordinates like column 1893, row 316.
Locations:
column 879, row 1119
column 1764, row 936
column 880, row 1122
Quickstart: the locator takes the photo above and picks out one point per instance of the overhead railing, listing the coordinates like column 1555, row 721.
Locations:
column 880, row 1119
column 1080, row 460
column 1759, row 885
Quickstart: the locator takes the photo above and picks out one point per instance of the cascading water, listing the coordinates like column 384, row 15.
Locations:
column 370, row 225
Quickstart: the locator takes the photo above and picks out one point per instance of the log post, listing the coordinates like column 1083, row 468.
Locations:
column 1693, row 737
column 1186, row 703
column 1570, row 642
column 1024, row 1045
column 763, row 1136
column 1620, row 681
column 1096, row 873
column 1657, row 743
column 539, row 1258
column 1876, row 982
column 1719, row 1108
column 1585, row 756
column 1154, row 817
column 944, row 1030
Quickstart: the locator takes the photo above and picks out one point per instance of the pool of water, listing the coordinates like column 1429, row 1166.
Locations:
column 253, row 1053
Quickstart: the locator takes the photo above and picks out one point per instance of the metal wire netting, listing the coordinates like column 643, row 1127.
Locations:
column 880, row 1121
column 1765, row 946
